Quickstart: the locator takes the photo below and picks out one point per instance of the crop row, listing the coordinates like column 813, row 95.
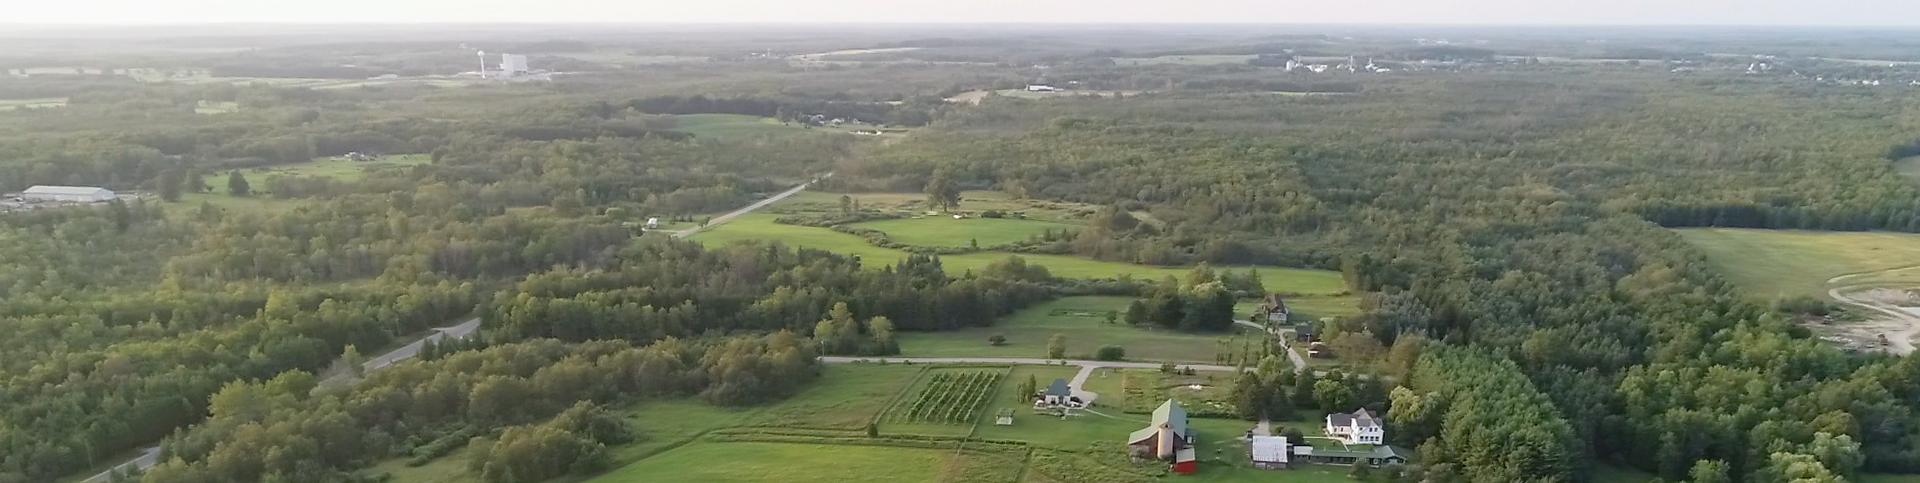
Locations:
column 950, row 397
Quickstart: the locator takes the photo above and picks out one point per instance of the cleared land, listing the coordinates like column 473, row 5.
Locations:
column 760, row 226
column 797, row 463
column 939, row 231
column 1083, row 321
column 1778, row 263
column 336, row 168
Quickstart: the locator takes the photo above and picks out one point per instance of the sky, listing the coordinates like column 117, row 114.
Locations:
column 1443, row 12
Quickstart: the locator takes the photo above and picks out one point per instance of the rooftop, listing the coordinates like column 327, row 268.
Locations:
column 63, row 190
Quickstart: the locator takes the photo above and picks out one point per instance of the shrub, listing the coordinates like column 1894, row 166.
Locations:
column 1110, row 353
column 997, row 340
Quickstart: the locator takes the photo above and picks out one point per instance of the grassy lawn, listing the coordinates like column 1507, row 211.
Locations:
column 941, row 231
column 1876, row 478
column 1073, row 433
column 1775, row 263
column 781, row 462
column 760, row 226
column 1083, row 321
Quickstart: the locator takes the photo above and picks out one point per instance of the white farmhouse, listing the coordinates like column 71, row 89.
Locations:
column 68, row 194
column 1358, row 427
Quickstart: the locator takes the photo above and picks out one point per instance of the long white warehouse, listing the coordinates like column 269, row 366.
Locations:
column 74, row 194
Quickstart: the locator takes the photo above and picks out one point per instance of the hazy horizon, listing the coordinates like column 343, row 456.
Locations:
column 1753, row 13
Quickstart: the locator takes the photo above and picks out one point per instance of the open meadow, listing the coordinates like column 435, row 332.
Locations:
column 1781, row 263
column 1083, row 321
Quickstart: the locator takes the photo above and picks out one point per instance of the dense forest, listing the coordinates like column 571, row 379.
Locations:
column 1506, row 223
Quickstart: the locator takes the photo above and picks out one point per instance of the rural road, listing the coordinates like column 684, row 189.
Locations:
column 151, row 455
column 1900, row 341
column 718, row 220
column 1299, row 363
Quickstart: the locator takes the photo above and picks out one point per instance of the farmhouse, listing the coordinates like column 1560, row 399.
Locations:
column 1058, row 395
column 1375, row 456
column 1166, row 438
column 1275, row 308
column 69, row 194
column 1269, row 452
column 1358, row 427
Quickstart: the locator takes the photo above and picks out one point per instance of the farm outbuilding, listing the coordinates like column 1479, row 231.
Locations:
column 1269, row 452
column 68, row 194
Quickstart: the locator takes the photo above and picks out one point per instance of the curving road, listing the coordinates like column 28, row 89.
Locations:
column 1299, row 363
column 151, row 455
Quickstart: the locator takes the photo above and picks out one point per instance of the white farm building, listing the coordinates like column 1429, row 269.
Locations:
column 70, row 194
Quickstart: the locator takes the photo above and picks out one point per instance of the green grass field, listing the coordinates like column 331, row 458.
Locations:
column 1776, row 263
column 11, row 104
column 940, row 231
column 336, row 168
column 760, row 226
column 712, row 462
column 1081, row 320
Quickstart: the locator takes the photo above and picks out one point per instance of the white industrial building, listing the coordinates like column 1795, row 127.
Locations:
column 68, row 194
column 513, row 65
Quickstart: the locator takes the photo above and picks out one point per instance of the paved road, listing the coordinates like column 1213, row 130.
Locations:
column 151, row 455
column 718, row 220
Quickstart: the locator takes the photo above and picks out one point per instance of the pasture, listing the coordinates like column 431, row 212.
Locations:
column 761, row 227
column 939, row 231
column 1779, row 263
column 1083, row 321
column 744, row 462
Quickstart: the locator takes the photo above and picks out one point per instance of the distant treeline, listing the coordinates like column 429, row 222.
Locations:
column 909, row 113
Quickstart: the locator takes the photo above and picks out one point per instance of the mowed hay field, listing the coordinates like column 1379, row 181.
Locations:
column 1779, row 263
column 761, row 227
column 938, row 231
column 1083, row 321
column 739, row 462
